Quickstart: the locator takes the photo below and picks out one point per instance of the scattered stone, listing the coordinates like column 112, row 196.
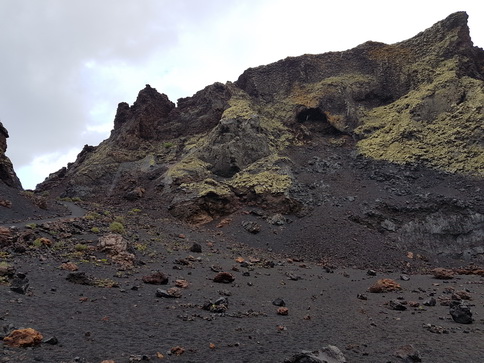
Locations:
column 220, row 305
column 113, row 244
column 216, row 268
column 408, row 353
column 460, row 312
column 277, row 219
column 224, row 222
column 437, row 329
column 181, row 283
column 224, row 277
column 51, row 340
column 396, row 305
column 404, row 277
column 443, row 274
column 371, row 273
column 5, row 203
column 196, row 248
column 158, row 278
column 20, row 284
column 135, row 194
column 182, row 261
column 413, row 304
column 329, row 354
column 177, row 350
column 461, row 295
column 279, row 302
column 139, row 358
column 252, row 227
column 292, row 276
column 430, row 302
column 6, row 236
column 282, row 311
column 116, row 247
column 79, row 278
column 362, row 297
column 173, row 292
column 384, row 285
column 23, row 338
column 69, row 266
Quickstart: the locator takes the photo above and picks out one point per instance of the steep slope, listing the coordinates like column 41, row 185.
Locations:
column 305, row 136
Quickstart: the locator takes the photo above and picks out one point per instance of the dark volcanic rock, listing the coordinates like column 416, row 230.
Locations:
column 395, row 127
column 7, row 174
column 460, row 312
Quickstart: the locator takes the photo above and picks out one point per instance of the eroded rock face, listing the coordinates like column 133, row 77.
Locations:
column 417, row 102
column 233, row 145
column 7, row 173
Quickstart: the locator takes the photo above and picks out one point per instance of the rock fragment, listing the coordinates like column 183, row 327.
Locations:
column 430, row 302
column 20, row 284
column 328, row 354
column 79, row 278
column 23, row 338
column 408, row 353
column 282, row 311
column 396, row 305
column 219, row 306
column 158, row 278
column 443, row 273
column 196, row 248
column 173, row 292
column 279, row 302
column 460, row 312
column 224, row 277
column 252, row 227
column 384, row 285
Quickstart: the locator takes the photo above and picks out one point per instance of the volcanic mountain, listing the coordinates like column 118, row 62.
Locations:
column 380, row 144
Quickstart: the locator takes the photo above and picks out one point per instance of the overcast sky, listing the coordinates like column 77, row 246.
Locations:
column 65, row 65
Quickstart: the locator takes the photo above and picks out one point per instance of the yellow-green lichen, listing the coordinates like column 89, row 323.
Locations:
column 262, row 183
column 440, row 124
column 188, row 169
column 207, row 186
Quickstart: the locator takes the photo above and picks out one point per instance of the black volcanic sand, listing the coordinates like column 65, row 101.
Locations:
column 316, row 261
column 129, row 323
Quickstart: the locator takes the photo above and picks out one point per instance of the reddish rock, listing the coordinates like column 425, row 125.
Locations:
column 224, row 277
column 23, row 338
column 181, row 283
column 157, row 278
column 443, row 273
column 384, row 285
column 69, row 266
column 177, row 350
column 282, row 311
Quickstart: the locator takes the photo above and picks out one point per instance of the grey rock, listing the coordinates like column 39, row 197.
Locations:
column 460, row 312
column 408, row 353
column 279, row 302
column 328, row 354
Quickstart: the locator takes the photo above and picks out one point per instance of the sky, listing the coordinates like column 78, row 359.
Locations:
column 65, row 65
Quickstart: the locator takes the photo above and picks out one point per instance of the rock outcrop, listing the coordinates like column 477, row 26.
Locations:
column 7, row 173
column 405, row 119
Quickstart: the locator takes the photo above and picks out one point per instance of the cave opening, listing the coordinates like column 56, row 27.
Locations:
column 311, row 115
column 317, row 121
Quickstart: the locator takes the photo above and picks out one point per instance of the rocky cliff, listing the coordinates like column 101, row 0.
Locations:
column 7, row 174
column 285, row 136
